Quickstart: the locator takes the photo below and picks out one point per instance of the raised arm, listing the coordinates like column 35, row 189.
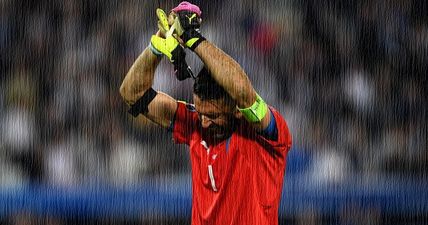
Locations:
column 224, row 70
column 229, row 74
column 139, row 77
column 139, row 80
column 136, row 87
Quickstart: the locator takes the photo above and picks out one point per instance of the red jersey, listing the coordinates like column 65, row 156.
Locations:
column 236, row 181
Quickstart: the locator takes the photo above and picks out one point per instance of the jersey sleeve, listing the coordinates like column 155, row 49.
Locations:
column 283, row 140
column 183, row 123
column 269, row 161
column 271, row 132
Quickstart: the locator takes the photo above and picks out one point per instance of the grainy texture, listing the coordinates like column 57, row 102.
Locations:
column 350, row 77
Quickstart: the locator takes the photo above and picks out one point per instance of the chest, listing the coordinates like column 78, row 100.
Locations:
column 213, row 165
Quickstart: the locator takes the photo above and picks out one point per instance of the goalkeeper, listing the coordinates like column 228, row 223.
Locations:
column 238, row 144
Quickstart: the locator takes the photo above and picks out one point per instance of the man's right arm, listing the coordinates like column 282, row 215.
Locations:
column 138, row 80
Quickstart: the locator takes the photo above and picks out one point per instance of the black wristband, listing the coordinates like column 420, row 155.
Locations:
column 142, row 104
column 200, row 40
column 192, row 33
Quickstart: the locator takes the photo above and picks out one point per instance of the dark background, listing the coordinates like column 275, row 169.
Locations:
column 348, row 76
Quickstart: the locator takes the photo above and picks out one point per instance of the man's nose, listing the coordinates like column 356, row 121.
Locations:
column 205, row 121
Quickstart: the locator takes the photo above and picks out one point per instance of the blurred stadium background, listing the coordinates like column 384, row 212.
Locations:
column 349, row 76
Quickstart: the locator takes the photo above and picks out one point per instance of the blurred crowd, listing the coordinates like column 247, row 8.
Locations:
column 62, row 119
column 348, row 76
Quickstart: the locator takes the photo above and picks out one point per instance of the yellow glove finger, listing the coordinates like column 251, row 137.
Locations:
column 162, row 29
column 163, row 19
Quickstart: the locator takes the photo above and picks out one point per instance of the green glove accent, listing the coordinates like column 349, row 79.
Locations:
column 164, row 45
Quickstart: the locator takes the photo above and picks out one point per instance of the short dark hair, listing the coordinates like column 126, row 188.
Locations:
column 206, row 88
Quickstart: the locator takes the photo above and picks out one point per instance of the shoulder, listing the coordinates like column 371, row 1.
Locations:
column 190, row 107
column 184, row 123
column 283, row 133
column 184, row 107
column 279, row 118
column 186, row 111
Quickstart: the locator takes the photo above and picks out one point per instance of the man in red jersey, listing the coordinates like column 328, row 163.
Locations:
column 238, row 144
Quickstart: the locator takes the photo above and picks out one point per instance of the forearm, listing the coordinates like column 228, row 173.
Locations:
column 139, row 77
column 228, row 74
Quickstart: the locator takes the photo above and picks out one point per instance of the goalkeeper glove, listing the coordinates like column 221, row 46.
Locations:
column 172, row 49
column 166, row 46
column 187, row 23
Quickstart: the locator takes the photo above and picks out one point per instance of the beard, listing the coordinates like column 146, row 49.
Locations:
column 218, row 133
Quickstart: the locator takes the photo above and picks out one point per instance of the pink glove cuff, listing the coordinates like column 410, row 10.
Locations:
column 188, row 7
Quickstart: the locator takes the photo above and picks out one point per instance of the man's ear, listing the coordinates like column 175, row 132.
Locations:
column 237, row 113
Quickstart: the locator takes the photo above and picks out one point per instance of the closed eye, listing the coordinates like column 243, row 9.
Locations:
column 209, row 116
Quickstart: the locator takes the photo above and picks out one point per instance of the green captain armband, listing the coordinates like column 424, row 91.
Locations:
column 256, row 112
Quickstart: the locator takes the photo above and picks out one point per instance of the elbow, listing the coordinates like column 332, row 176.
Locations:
column 124, row 93
column 131, row 92
column 122, row 90
column 246, row 96
column 247, row 99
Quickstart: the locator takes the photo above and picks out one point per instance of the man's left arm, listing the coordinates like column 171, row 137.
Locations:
column 229, row 74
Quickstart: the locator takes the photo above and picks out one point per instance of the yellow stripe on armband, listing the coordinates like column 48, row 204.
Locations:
column 256, row 112
column 192, row 41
